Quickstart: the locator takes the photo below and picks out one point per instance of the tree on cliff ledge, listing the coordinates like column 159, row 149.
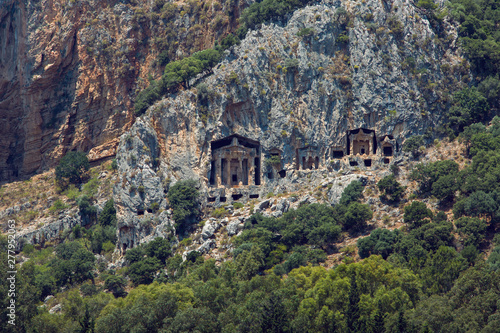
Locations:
column 183, row 198
column 72, row 167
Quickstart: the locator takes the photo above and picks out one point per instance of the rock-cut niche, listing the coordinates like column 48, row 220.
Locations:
column 361, row 141
column 307, row 158
column 235, row 162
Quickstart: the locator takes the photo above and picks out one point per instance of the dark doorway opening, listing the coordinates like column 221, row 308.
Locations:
column 353, row 163
column 237, row 196
column 368, row 163
column 387, row 151
column 257, row 171
column 338, row 154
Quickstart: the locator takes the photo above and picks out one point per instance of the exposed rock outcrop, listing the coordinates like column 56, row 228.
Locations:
column 333, row 67
column 70, row 70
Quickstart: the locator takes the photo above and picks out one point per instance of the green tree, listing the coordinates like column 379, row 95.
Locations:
column 427, row 174
column 494, row 259
column 413, row 144
column 353, row 192
column 442, row 269
column 472, row 230
column 390, row 188
column 380, row 241
column 478, row 203
column 275, row 318
column 183, row 198
column 116, row 284
column 88, row 212
column 353, row 313
column 444, row 188
column 249, row 263
column 135, row 254
column 159, row 248
column 470, row 107
column 108, row 214
column 72, row 167
column 417, row 214
column 200, row 320
column 356, row 216
column 144, row 271
column 470, row 131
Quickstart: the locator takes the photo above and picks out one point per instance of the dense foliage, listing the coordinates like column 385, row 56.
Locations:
column 432, row 275
column 390, row 188
column 183, row 198
column 72, row 167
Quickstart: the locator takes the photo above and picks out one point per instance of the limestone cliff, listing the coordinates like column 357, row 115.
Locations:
column 333, row 67
column 70, row 70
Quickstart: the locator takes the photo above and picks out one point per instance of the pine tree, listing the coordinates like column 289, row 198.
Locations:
column 352, row 315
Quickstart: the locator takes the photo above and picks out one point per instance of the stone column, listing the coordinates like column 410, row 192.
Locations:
column 251, row 170
column 228, row 171
column 218, row 167
column 240, row 171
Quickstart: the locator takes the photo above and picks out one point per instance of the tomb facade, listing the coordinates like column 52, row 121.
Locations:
column 307, row 158
column 387, row 145
column 235, row 162
column 361, row 141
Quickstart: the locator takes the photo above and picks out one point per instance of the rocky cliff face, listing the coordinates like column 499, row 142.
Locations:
column 331, row 68
column 69, row 70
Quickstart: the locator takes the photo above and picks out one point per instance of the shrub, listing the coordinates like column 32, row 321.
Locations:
column 274, row 160
column 183, row 198
column 292, row 63
column 91, row 187
column 390, row 188
column 219, row 212
column 263, row 11
column 380, row 241
column 108, row 247
column 304, row 32
column 87, row 210
column 72, row 167
column 413, row 144
column 417, row 214
column 343, row 39
column 154, row 207
column 116, row 285
column 353, row 192
column 472, row 230
column 108, row 214
column 72, row 192
column 57, row 206
column 356, row 216
column 396, row 27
